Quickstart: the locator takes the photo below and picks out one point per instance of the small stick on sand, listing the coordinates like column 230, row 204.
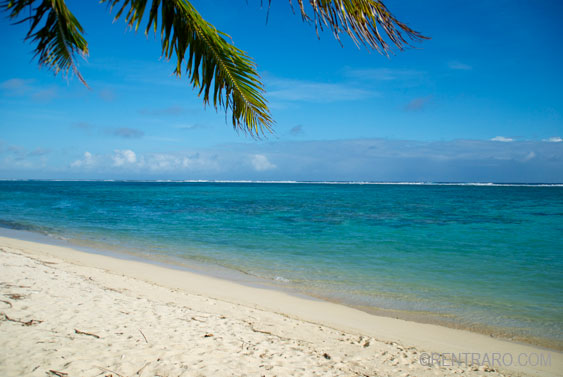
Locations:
column 14, row 296
column 7, row 302
column 86, row 333
column 141, row 370
column 25, row 323
column 111, row 371
column 57, row 373
column 144, row 337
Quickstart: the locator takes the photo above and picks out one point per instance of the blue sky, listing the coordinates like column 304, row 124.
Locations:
column 480, row 101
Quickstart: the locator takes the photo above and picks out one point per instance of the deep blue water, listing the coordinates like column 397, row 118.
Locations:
column 487, row 258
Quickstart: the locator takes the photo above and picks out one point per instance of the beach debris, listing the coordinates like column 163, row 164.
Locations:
column 57, row 373
column 14, row 296
column 197, row 319
column 366, row 344
column 208, row 335
column 144, row 336
column 86, row 333
column 24, row 323
column 7, row 285
column 7, row 302
column 327, row 356
column 141, row 370
column 110, row 371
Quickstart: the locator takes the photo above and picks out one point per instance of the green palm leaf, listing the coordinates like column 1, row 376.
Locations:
column 223, row 74
column 58, row 40
column 367, row 22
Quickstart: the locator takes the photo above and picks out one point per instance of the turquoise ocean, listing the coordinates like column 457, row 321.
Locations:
column 483, row 257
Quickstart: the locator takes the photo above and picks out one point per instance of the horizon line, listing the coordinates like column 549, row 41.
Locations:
column 327, row 182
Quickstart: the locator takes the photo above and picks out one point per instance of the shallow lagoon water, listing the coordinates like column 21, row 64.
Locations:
column 484, row 257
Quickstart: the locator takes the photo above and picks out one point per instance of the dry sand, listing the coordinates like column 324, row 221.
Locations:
column 70, row 313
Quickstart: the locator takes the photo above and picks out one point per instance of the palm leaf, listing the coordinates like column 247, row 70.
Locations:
column 58, row 40
column 367, row 22
column 224, row 74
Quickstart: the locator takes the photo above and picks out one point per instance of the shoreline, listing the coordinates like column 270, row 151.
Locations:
column 237, row 276
column 272, row 302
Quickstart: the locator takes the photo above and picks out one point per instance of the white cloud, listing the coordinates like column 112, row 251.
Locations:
column 358, row 159
column 123, row 157
column 457, row 65
column 17, row 87
column 88, row 160
column 27, row 87
column 384, row 74
column 161, row 162
column 151, row 163
column 189, row 126
column 530, row 156
column 261, row 163
column 311, row 91
column 555, row 139
column 502, row 139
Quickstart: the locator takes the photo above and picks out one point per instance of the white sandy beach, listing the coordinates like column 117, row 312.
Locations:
column 70, row 313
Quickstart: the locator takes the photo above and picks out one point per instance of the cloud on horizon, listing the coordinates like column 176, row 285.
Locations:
column 86, row 161
column 18, row 157
column 124, row 157
column 261, row 163
column 340, row 160
column 502, row 139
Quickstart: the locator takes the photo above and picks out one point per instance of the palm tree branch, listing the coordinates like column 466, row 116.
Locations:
column 206, row 56
column 361, row 20
column 58, row 40
column 203, row 52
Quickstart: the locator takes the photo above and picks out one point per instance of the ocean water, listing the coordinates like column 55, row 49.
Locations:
column 488, row 258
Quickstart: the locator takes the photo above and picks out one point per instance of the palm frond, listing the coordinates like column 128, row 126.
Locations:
column 54, row 30
column 367, row 22
column 223, row 73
